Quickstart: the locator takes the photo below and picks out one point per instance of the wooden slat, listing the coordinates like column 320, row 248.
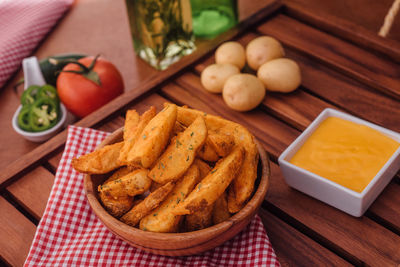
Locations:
column 33, row 190
column 295, row 249
column 348, row 94
column 35, row 156
column 387, row 206
column 381, row 244
column 361, row 239
column 345, row 29
column 16, row 233
column 348, row 58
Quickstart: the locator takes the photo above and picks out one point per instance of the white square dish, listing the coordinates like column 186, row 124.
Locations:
column 332, row 193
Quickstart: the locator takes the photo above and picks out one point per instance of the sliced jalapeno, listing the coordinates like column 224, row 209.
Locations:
column 43, row 114
column 23, row 119
column 29, row 95
column 47, row 91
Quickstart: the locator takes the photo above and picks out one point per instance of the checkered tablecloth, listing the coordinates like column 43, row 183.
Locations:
column 70, row 234
column 23, row 24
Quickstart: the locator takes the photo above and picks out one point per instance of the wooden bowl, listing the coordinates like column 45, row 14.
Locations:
column 179, row 244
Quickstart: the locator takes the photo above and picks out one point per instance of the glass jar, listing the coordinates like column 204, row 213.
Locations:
column 161, row 30
column 212, row 17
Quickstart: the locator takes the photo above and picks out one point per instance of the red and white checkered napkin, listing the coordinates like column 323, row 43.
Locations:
column 23, row 24
column 70, row 234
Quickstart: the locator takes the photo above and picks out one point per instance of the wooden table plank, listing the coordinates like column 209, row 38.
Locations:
column 348, row 30
column 295, row 249
column 16, row 233
column 324, row 224
column 361, row 240
column 33, row 190
column 348, row 58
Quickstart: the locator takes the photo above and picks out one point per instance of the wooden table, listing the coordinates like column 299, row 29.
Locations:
column 343, row 66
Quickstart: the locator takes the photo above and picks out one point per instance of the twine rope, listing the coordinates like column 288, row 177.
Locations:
column 389, row 18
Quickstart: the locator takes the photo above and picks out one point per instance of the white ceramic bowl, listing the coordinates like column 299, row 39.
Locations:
column 44, row 135
column 336, row 195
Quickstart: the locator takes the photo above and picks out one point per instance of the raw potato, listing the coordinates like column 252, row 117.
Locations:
column 263, row 49
column 220, row 211
column 100, row 161
column 180, row 153
column 139, row 211
column 280, row 75
column 131, row 184
column 132, row 130
column 231, row 53
column 213, row 185
column 243, row 92
column 243, row 184
column 213, row 77
column 161, row 220
column 153, row 139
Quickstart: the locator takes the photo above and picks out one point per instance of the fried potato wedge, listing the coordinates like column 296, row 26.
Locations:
column 220, row 211
column 178, row 128
column 116, row 206
column 131, row 121
column 131, row 184
column 200, row 219
column 213, row 185
column 244, row 182
column 180, row 153
column 142, row 209
column 233, row 206
column 204, row 168
column 100, row 161
column 154, row 186
column 153, row 138
column 133, row 128
column 119, row 173
column 221, row 142
column 162, row 220
column 207, row 152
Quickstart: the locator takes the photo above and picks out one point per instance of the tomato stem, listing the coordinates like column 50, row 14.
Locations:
column 87, row 72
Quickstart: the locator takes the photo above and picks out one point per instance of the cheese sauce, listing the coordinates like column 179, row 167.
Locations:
column 345, row 152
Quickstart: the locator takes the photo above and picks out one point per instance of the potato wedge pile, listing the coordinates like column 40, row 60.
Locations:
column 178, row 170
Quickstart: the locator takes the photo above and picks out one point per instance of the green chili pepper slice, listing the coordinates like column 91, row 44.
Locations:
column 43, row 114
column 29, row 95
column 48, row 91
column 23, row 119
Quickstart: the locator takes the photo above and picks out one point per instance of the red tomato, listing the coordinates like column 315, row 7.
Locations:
column 82, row 96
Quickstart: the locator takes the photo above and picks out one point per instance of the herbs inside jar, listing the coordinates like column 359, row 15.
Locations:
column 161, row 30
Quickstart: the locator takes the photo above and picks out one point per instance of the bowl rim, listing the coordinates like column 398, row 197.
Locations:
column 202, row 236
column 42, row 133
